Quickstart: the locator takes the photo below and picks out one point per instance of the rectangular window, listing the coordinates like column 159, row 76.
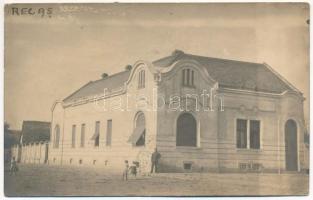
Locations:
column 192, row 77
column 188, row 77
column 109, row 132
column 254, row 134
column 241, row 133
column 73, row 135
column 141, row 79
column 82, row 135
column 185, row 77
column 97, row 133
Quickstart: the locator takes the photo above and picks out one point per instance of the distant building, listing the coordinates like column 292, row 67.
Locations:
column 33, row 144
column 252, row 119
column 11, row 138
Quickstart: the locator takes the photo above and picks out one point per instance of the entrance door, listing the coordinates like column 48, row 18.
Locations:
column 291, row 145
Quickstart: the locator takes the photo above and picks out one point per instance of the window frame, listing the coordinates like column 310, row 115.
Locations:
column 73, row 144
column 188, row 78
column 97, row 125
column 108, row 143
column 137, row 115
column 56, row 138
column 248, row 133
column 82, row 133
column 141, row 79
column 198, row 135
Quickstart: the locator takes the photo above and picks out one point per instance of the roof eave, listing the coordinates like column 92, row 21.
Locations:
column 282, row 79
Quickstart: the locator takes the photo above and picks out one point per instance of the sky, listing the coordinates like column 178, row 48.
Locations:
column 48, row 58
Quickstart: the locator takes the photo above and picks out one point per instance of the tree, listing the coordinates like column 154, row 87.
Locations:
column 8, row 140
column 6, row 126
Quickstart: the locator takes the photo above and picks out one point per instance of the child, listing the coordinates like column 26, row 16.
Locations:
column 133, row 169
column 13, row 167
column 125, row 172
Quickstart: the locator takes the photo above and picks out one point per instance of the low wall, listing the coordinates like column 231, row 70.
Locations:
column 31, row 153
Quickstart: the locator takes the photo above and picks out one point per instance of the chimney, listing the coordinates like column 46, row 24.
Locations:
column 104, row 75
column 128, row 67
column 177, row 52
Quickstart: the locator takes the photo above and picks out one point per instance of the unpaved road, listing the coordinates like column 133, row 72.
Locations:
column 44, row 180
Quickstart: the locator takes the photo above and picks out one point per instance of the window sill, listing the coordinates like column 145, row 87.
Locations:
column 189, row 87
column 188, row 148
column 138, row 147
column 248, row 150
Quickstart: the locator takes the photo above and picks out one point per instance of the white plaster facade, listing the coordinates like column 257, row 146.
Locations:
column 215, row 149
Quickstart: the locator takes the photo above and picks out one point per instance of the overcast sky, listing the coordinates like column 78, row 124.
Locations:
column 46, row 59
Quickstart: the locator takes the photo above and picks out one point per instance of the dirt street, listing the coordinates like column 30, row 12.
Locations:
column 43, row 180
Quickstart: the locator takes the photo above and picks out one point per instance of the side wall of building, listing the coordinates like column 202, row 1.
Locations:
column 120, row 107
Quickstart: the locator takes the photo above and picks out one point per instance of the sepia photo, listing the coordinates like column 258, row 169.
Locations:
column 163, row 99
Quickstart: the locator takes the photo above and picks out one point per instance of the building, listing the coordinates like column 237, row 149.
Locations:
column 202, row 114
column 34, row 143
column 11, row 138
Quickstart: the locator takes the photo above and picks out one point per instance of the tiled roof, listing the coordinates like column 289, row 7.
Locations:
column 97, row 87
column 16, row 136
column 234, row 74
column 35, row 131
column 228, row 73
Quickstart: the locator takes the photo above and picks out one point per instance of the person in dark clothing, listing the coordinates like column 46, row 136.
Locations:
column 13, row 167
column 155, row 160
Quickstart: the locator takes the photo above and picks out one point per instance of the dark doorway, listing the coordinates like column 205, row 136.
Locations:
column 291, row 146
column 46, row 153
column 19, row 153
column 186, row 134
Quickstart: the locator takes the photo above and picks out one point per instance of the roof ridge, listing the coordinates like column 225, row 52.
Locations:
column 110, row 76
column 35, row 121
column 105, row 80
column 225, row 59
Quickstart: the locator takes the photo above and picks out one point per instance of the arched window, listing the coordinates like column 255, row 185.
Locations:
column 186, row 132
column 138, row 137
column 141, row 79
column 291, row 145
column 56, row 136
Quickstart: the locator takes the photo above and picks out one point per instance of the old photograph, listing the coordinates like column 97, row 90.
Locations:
column 162, row 99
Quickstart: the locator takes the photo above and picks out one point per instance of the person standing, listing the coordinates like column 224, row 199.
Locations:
column 125, row 172
column 13, row 167
column 155, row 160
